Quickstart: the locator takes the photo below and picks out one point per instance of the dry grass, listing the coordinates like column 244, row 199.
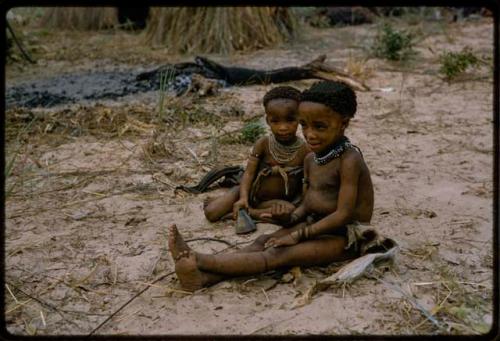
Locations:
column 80, row 18
column 157, row 146
column 359, row 69
column 219, row 29
column 97, row 120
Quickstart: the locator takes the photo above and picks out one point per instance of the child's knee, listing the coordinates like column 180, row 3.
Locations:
column 210, row 214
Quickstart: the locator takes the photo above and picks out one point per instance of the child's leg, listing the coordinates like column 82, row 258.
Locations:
column 311, row 252
column 200, row 270
column 218, row 207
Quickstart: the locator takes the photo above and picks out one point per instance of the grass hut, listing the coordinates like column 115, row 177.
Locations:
column 80, row 18
column 219, row 29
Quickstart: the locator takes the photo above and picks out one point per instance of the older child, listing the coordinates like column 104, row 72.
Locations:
column 339, row 194
column 275, row 167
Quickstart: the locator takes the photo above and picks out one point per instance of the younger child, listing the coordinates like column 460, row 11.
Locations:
column 339, row 194
column 275, row 167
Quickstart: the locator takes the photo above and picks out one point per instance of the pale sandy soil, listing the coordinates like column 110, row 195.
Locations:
column 85, row 226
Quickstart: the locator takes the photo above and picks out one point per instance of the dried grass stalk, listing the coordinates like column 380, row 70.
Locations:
column 219, row 29
column 80, row 18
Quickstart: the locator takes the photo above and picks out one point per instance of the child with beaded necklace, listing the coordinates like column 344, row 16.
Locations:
column 275, row 167
column 338, row 197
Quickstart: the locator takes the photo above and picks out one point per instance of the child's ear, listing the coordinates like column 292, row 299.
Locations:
column 345, row 122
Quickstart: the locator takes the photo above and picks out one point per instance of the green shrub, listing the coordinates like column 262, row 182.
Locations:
column 392, row 44
column 456, row 63
column 252, row 131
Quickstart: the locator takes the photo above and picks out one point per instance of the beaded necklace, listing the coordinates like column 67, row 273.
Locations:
column 337, row 149
column 284, row 153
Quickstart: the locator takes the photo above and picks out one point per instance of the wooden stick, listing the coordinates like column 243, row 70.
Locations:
column 18, row 305
column 210, row 239
column 43, row 319
column 417, row 305
column 11, row 294
column 138, row 294
column 264, row 292
column 166, row 288
column 57, row 310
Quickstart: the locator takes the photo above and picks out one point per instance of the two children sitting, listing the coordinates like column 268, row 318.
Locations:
column 337, row 190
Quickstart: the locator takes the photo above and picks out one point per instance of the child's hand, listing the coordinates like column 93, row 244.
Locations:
column 242, row 203
column 286, row 240
column 280, row 212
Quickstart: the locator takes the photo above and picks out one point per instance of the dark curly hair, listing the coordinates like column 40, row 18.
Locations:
column 281, row 92
column 336, row 95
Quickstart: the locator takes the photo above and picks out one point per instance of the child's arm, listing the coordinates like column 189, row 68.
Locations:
column 286, row 217
column 349, row 177
column 249, row 175
column 300, row 212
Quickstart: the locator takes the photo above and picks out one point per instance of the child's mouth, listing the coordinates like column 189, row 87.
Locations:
column 314, row 146
column 284, row 137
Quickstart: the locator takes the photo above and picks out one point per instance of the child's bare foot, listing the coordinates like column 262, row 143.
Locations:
column 187, row 271
column 176, row 243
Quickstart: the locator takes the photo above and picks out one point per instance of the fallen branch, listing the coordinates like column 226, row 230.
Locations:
column 316, row 69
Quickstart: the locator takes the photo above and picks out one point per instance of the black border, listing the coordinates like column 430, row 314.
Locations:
column 492, row 5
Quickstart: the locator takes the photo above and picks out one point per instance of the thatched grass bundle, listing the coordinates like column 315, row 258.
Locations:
column 219, row 29
column 80, row 18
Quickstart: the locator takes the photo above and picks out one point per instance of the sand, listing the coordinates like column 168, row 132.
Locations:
column 85, row 226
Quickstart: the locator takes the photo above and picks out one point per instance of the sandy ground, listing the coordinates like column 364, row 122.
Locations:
column 85, row 227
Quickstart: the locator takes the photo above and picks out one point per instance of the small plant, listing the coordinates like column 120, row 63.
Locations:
column 456, row 63
column 358, row 68
column 165, row 79
column 252, row 131
column 8, row 172
column 9, row 167
column 392, row 44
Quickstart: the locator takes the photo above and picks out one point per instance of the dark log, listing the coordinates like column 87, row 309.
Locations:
column 316, row 69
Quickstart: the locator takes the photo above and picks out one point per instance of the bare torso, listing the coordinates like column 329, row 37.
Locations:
column 324, row 184
column 273, row 186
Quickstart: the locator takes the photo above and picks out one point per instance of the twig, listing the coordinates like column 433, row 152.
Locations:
column 43, row 319
column 140, row 293
column 18, row 43
column 249, row 281
column 18, row 306
column 57, row 310
column 166, row 288
column 129, row 315
column 210, row 239
column 264, row 292
column 128, row 302
column 443, row 282
column 193, row 154
column 11, row 294
column 424, row 311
